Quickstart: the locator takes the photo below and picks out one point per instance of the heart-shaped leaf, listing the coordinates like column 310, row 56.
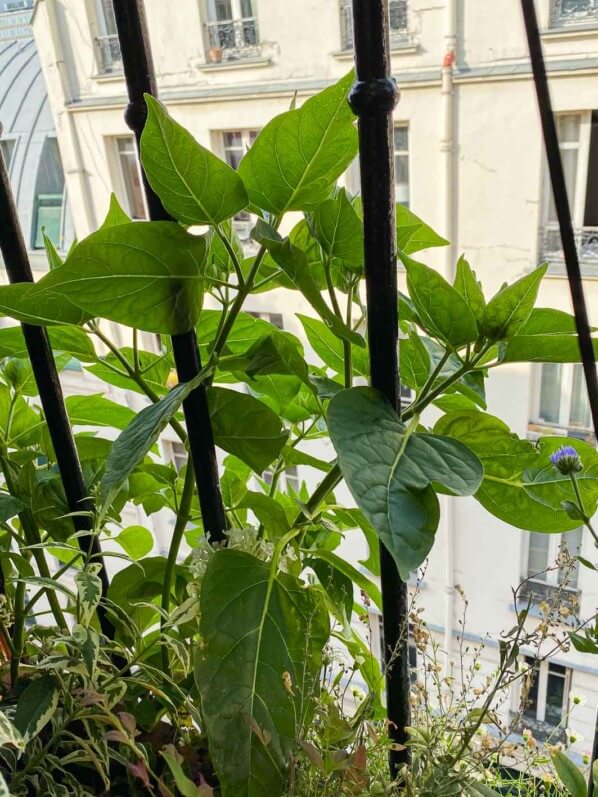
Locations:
column 391, row 471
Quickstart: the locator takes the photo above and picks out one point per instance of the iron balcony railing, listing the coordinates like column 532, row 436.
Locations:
column 586, row 240
column 541, row 730
column 233, row 39
column 574, row 12
column 398, row 23
column 538, row 592
column 15, row 25
column 110, row 58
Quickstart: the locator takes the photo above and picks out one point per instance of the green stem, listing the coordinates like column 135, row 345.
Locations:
column 173, row 551
column 582, row 508
column 231, row 253
column 326, row 486
column 435, row 373
column 347, row 350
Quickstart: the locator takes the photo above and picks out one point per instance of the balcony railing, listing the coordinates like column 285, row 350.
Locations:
column 398, row 23
column 233, row 39
column 574, row 12
column 15, row 25
column 109, row 54
column 540, row 592
column 585, row 237
column 541, row 731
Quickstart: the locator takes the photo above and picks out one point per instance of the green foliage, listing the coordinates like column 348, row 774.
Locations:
column 570, row 775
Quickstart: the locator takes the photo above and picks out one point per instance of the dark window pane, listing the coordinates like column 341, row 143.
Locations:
column 555, row 694
column 49, row 195
column 538, row 555
column 550, row 392
column 531, row 707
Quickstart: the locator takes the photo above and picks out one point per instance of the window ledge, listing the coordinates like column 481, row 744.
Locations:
column 241, row 63
column 565, row 32
column 109, row 77
column 396, row 48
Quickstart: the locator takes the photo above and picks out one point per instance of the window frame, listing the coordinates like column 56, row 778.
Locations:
column 243, row 221
column 10, row 141
column 120, row 182
column 554, row 544
column 105, row 66
column 543, row 675
column 563, row 425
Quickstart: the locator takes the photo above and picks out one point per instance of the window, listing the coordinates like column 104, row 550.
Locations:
column 562, row 401
column 49, row 197
column 397, row 17
column 232, row 32
column 543, row 552
column 401, row 152
column 578, row 143
column 7, row 148
column 176, row 452
column 546, row 704
column 274, row 318
column 130, row 173
column 235, row 144
column 109, row 57
column 574, row 12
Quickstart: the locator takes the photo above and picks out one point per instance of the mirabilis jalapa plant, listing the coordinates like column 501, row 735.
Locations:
column 253, row 617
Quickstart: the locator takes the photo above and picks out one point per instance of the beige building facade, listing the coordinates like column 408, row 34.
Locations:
column 469, row 160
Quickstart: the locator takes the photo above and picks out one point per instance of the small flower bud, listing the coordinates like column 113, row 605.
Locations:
column 566, row 460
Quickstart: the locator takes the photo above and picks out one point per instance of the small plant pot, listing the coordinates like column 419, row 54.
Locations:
column 215, row 54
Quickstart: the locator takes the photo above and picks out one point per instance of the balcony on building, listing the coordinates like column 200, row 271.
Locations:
column 109, row 57
column 398, row 24
column 574, row 13
column 232, row 32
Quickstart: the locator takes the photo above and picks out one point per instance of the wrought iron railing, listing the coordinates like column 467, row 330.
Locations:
column 233, row 39
column 574, row 12
column 541, row 730
column 398, row 23
column 586, row 241
column 110, row 58
column 538, row 592
column 15, row 25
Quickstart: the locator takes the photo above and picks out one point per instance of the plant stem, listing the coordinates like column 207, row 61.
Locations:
column 326, row 486
column 175, row 544
column 582, row 508
column 435, row 373
column 231, row 253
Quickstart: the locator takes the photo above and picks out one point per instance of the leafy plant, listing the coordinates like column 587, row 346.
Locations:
column 212, row 679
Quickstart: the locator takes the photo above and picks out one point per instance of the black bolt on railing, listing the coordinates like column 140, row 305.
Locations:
column 563, row 211
column 372, row 98
column 140, row 76
column 46, row 377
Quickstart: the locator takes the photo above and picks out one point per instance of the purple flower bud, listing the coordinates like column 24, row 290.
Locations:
column 566, row 460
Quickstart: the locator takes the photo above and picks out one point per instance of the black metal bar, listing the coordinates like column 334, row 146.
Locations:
column 561, row 202
column 373, row 97
column 563, row 211
column 18, row 269
column 140, row 76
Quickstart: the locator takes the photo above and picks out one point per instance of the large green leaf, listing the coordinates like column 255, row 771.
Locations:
column 95, row 410
column 293, row 261
column 116, row 215
column 298, row 156
column 547, row 336
column 329, row 348
column 391, row 471
column 143, row 274
column 442, row 310
column 275, row 353
column 137, row 541
column 36, row 706
column 69, row 340
column 346, row 568
column 257, row 669
column 413, row 234
column 339, row 230
column 156, row 369
column 520, row 484
column 470, row 289
column 194, row 185
column 569, row 774
column 131, row 446
column 89, row 591
column 507, row 312
column 25, row 302
column 245, row 427
column 9, row 734
column 414, row 361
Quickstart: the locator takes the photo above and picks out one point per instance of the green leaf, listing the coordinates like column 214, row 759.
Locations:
column 442, row 310
column 131, row 446
column 245, row 427
column 298, row 156
column 584, row 644
column 275, row 353
column 569, row 774
column 547, row 336
column 25, row 302
column 347, row 569
column 470, row 289
column 329, row 348
column 134, row 588
column 268, row 511
column 142, row 274
column 482, row 789
column 414, row 361
column 116, row 215
column 520, row 484
column 391, row 470
column 339, row 230
column 294, row 263
column 88, row 642
column 54, row 259
column 9, row 734
column 36, row 706
column 257, row 669
column 184, row 784
column 10, row 506
column 89, row 591
column 137, row 541
column 413, row 234
column 95, row 410
column 156, row 369
column 194, row 185
column 4, row 791
column 508, row 311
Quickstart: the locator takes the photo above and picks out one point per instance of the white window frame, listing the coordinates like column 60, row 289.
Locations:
column 14, row 141
column 563, row 425
column 120, row 184
column 174, row 452
column 402, row 153
column 244, row 221
column 112, row 66
column 554, row 544
column 543, row 672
